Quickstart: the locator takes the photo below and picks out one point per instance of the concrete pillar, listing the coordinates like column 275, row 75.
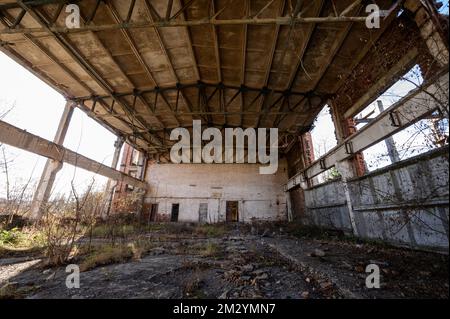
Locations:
column 51, row 168
column 111, row 184
column 347, row 172
column 350, row 168
column 307, row 155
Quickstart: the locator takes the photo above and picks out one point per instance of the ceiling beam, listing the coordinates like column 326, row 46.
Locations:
column 375, row 36
column 269, row 63
column 247, row 10
column 197, row 85
column 215, row 36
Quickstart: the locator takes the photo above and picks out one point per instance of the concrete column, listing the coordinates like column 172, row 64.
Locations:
column 51, row 168
column 111, row 184
column 347, row 172
column 344, row 127
column 349, row 168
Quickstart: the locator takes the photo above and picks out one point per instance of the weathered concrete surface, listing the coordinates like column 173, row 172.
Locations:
column 52, row 167
column 405, row 203
column 247, row 262
column 260, row 197
column 245, row 268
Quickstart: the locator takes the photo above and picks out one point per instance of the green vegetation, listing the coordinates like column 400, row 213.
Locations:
column 10, row 237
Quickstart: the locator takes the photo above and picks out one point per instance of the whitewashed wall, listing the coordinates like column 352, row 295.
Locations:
column 260, row 197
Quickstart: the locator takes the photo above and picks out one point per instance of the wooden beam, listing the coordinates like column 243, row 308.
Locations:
column 16, row 137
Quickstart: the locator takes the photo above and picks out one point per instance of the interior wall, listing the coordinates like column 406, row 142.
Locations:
column 404, row 204
column 259, row 197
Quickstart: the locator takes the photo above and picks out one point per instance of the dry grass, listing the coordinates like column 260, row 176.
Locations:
column 9, row 291
column 26, row 241
column 13, row 291
column 192, row 287
column 106, row 255
column 211, row 250
column 209, row 230
column 105, row 231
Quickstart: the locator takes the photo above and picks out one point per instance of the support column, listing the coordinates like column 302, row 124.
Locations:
column 390, row 143
column 111, row 184
column 351, row 168
column 51, row 168
column 345, row 169
column 307, row 153
column 344, row 127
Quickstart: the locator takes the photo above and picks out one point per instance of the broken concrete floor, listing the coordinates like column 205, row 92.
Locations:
column 242, row 264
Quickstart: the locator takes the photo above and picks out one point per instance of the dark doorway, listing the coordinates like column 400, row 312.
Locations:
column 153, row 212
column 232, row 212
column 203, row 213
column 175, row 212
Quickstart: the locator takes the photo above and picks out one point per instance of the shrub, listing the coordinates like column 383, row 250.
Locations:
column 10, row 237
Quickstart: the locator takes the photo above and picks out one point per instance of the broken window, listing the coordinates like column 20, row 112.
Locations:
column 324, row 139
column 135, row 157
column 132, row 174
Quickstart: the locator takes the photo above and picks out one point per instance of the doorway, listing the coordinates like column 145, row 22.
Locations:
column 175, row 213
column 232, row 212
